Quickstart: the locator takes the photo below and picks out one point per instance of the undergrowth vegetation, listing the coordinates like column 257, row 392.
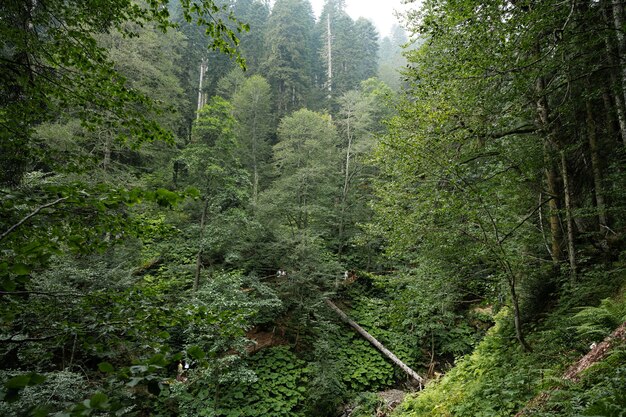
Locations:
column 499, row 379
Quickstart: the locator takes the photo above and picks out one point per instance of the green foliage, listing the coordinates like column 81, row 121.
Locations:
column 467, row 164
column 214, row 122
column 326, row 389
column 599, row 393
column 596, row 322
column 58, row 227
column 381, row 320
column 493, row 381
column 57, row 391
column 281, row 385
column 300, row 198
column 252, row 103
column 253, row 48
column 456, row 211
column 276, row 387
column 86, row 79
column 364, row 368
column 288, row 64
column 99, row 242
column 496, row 380
column 230, row 84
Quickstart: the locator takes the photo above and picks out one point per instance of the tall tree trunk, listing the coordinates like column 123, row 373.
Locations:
column 553, row 205
column 346, row 184
column 596, row 167
column 550, row 171
column 609, row 112
column 571, row 247
column 255, row 168
column 617, row 86
column 376, row 343
column 329, row 46
column 196, row 281
column 200, row 94
column 618, row 21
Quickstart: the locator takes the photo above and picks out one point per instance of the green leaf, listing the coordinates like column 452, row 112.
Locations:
column 36, row 379
column 98, row 400
column 158, row 360
column 20, row 269
column 106, row 367
column 17, row 382
column 41, row 412
column 196, row 352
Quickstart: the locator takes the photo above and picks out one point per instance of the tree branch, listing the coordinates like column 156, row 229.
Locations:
column 27, row 339
column 525, row 220
column 525, row 129
column 25, row 219
column 43, row 293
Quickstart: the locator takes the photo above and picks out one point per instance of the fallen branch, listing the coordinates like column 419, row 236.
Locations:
column 376, row 343
column 599, row 352
column 595, row 355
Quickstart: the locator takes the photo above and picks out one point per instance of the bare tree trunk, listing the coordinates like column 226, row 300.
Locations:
column 330, row 58
column 571, row 247
column 596, row 167
column 618, row 21
column 620, row 106
column 200, row 94
column 196, row 281
column 376, row 343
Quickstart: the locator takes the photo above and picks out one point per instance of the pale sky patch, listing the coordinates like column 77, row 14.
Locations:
column 381, row 12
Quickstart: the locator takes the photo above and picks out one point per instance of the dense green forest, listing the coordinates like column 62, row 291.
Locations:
column 194, row 194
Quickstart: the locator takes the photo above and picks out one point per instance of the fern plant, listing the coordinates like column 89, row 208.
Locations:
column 597, row 322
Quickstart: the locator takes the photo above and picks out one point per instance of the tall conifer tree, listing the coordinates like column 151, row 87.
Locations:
column 289, row 61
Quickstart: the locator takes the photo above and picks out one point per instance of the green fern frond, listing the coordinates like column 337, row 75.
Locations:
column 600, row 320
